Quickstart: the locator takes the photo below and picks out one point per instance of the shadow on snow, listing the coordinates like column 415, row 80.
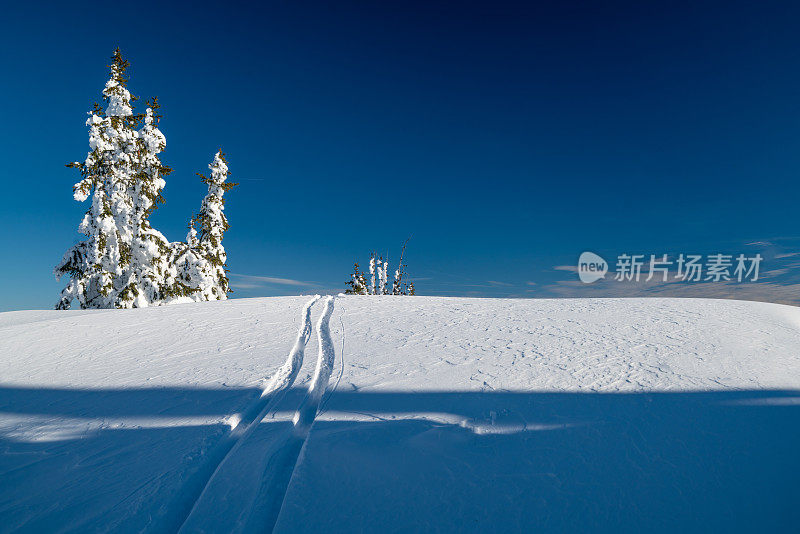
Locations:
column 401, row 461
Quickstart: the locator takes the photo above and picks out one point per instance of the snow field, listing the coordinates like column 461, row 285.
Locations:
column 425, row 414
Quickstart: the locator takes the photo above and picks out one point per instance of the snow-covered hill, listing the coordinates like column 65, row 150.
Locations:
column 439, row 414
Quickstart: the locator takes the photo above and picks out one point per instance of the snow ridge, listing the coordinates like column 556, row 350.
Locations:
column 242, row 425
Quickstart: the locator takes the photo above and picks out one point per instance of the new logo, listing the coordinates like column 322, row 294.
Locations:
column 591, row 267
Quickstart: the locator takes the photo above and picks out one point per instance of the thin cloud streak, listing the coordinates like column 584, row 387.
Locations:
column 253, row 280
column 568, row 268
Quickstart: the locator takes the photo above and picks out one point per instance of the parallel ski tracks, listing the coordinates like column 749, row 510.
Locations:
column 283, row 453
column 278, row 475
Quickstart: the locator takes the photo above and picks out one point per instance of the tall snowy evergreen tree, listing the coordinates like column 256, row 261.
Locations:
column 150, row 250
column 96, row 265
column 123, row 262
column 200, row 262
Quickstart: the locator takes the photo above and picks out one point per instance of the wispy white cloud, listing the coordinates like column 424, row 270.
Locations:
column 249, row 281
column 568, row 268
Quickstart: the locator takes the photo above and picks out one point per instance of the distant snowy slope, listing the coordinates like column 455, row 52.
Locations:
column 441, row 414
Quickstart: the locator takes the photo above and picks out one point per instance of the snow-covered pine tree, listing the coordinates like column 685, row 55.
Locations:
column 150, row 250
column 383, row 267
column 398, row 287
column 371, row 288
column 188, row 270
column 201, row 264
column 96, row 266
column 357, row 283
column 125, row 262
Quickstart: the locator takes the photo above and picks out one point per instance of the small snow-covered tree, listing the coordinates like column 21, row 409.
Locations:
column 189, row 271
column 200, row 263
column 383, row 267
column 357, row 282
column 398, row 286
column 379, row 279
column 371, row 289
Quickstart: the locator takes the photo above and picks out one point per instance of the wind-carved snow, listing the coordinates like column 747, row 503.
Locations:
column 448, row 414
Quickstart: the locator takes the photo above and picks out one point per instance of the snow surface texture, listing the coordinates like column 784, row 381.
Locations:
column 417, row 414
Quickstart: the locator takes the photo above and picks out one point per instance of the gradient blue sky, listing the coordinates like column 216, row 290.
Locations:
column 505, row 138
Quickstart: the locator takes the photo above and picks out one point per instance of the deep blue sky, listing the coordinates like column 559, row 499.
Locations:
column 505, row 138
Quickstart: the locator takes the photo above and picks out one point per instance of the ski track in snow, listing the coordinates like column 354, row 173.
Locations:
column 242, row 425
column 279, row 455
column 277, row 479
